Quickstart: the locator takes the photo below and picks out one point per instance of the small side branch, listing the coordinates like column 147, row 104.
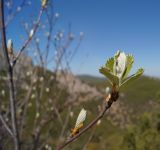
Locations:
column 6, row 126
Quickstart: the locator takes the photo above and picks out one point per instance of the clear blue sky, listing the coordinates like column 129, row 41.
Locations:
column 129, row 25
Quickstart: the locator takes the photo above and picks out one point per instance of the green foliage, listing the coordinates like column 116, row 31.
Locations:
column 112, row 78
column 129, row 64
column 117, row 69
column 133, row 77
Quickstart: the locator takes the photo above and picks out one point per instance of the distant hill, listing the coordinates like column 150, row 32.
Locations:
column 135, row 94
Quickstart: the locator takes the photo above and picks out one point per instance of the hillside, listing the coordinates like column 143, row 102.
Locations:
column 136, row 99
column 135, row 122
column 137, row 93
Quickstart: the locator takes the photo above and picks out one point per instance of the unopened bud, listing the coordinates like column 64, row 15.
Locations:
column 108, row 90
column 19, row 8
column 44, row 2
column 81, row 34
column 81, row 118
column 10, row 46
column 56, row 15
column 71, row 36
column 37, row 115
column 31, row 33
column 98, row 122
column 108, row 98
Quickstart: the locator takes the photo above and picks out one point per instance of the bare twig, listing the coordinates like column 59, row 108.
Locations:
column 89, row 139
column 15, row 13
column 114, row 97
column 6, row 126
column 30, row 37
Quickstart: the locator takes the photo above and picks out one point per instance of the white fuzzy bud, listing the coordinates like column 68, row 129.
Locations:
column 31, row 33
column 29, row 2
column 71, row 36
column 81, row 34
column 56, row 15
column 47, row 90
column 29, row 104
column 3, row 92
column 19, row 8
column 44, row 2
column 81, row 117
column 108, row 90
column 33, row 96
column 37, row 40
column 98, row 122
column 71, row 114
column 41, row 79
column 37, row 115
column 10, row 46
column 120, row 64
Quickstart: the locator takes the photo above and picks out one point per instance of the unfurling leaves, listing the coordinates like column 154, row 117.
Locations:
column 117, row 69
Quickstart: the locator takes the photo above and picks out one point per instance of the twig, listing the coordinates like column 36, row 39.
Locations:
column 114, row 97
column 14, row 14
column 30, row 38
column 89, row 139
column 6, row 126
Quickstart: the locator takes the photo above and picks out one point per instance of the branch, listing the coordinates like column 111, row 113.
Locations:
column 6, row 126
column 30, row 37
column 11, row 83
column 108, row 104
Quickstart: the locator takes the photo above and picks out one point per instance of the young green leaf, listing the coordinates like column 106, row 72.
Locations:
column 109, row 64
column 133, row 77
column 129, row 63
column 107, row 73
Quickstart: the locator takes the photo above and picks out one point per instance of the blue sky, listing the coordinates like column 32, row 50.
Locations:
column 109, row 25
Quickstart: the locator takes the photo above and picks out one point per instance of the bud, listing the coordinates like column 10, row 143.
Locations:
column 52, row 108
column 108, row 90
column 29, row 104
column 56, row 15
column 31, row 33
column 108, row 98
column 37, row 40
column 47, row 90
column 3, row 92
column 79, row 123
column 120, row 64
column 71, row 114
column 61, row 35
column 81, row 118
column 10, row 47
column 98, row 122
column 33, row 96
column 81, row 34
column 44, row 3
column 19, row 8
column 29, row 2
column 41, row 79
column 37, row 115
column 71, row 36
